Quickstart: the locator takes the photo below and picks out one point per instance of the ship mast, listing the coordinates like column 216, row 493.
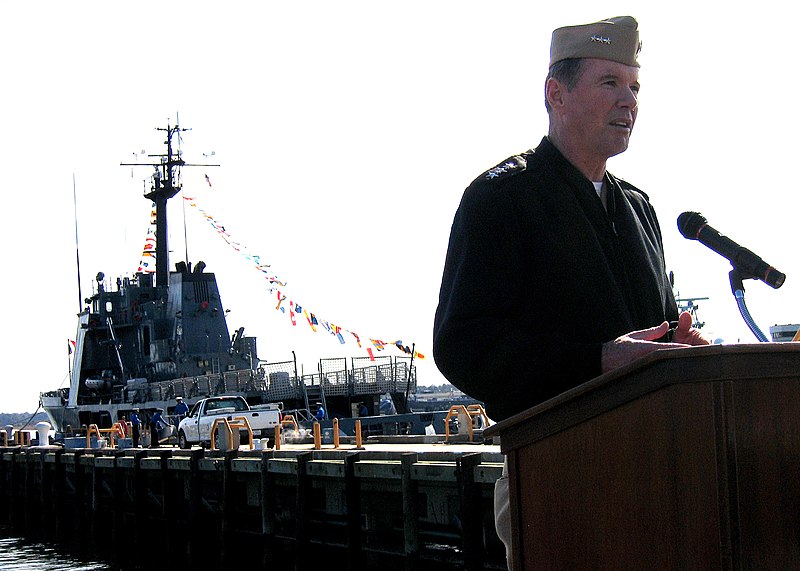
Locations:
column 166, row 184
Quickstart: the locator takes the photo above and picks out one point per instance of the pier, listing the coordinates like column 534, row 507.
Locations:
column 393, row 506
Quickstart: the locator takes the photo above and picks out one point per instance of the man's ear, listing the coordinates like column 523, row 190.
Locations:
column 554, row 92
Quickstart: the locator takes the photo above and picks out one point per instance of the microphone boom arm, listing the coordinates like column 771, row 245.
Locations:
column 737, row 287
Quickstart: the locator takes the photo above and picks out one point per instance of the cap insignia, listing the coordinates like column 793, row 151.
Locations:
column 601, row 39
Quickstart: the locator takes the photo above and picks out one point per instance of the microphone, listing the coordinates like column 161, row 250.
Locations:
column 695, row 227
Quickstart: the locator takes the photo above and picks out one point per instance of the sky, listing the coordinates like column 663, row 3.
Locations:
column 346, row 133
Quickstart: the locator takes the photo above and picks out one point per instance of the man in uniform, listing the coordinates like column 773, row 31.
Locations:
column 136, row 425
column 555, row 271
column 156, row 424
column 180, row 411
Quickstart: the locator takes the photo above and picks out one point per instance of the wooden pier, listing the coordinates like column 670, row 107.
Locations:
column 393, row 506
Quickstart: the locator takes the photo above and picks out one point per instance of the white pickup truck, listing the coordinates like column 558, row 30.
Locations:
column 196, row 427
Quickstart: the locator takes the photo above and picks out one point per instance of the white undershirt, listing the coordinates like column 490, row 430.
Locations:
column 598, row 187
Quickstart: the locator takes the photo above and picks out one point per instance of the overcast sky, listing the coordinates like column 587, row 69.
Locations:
column 346, row 133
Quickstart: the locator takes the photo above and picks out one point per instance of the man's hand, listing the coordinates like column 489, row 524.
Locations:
column 637, row 344
column 686, row 334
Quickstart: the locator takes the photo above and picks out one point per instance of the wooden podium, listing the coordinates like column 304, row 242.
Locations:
column 687, row 459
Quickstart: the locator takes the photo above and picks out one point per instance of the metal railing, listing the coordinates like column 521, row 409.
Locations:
column 117, row 429
column 465, row 414
column 238, row 422
column 278, row 381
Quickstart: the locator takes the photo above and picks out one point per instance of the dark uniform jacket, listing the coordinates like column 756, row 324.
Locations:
column 538, row 275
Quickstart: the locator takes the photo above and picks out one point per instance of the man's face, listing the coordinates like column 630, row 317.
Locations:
column 600, row 111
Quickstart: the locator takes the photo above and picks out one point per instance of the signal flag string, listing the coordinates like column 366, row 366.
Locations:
column 286, row 306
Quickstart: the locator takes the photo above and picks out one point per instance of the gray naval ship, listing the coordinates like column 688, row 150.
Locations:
column 143, row 341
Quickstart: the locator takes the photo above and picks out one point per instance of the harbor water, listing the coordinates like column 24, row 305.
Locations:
column 21, row 554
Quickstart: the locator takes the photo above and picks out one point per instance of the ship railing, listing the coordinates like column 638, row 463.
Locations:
column 215, row 384
column 405, row 375
column 282, row 386
column 311, row 381
column 336, row 383
column 278, row 382
column 187, row 387
column 334, row 377
column 244, row 380
column 281, row 383
column 380, row 376
column 369, row 375
column 366, row 380
column 386, row 376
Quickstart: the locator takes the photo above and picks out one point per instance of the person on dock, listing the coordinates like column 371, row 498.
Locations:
column 156, row 423
column 319, row 415
column 180, row 411
column 136, row 426
column 555, row 271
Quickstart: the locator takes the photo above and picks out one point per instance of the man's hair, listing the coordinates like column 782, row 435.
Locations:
column 567, row 71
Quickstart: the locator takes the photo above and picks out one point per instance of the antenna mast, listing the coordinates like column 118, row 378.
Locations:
column 77, row 249
column 166, row 184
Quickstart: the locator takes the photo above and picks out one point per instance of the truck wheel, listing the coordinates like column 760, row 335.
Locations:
column 183, row 444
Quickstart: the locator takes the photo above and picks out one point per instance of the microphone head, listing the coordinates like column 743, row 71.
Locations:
column 690, row 224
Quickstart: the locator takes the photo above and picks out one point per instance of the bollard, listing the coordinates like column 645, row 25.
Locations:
column 43, row 428
column 317, row 436
column 336, row 433
column 359, row 445
column 277, row 437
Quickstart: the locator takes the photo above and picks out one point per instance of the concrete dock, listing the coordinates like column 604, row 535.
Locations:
column 402, row 505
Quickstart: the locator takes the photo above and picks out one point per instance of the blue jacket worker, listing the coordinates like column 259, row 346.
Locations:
column 156, row 423
column 136, row 426
column 181, row 409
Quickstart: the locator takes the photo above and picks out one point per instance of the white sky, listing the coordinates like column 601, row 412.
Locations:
column 347, row 132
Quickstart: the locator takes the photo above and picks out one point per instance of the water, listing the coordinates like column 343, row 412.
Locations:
column 20, row 554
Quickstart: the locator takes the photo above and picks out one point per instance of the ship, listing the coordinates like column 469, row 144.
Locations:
column 785, row 333
column 143, row 341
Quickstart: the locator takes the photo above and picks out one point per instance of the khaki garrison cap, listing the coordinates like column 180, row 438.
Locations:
column 615, row 39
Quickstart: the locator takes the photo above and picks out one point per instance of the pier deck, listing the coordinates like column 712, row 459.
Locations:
column 400, row 506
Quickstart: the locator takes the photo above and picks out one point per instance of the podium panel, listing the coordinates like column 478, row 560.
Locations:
column 687, row 459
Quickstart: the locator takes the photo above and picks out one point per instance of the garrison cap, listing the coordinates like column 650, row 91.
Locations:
column 615, row 39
